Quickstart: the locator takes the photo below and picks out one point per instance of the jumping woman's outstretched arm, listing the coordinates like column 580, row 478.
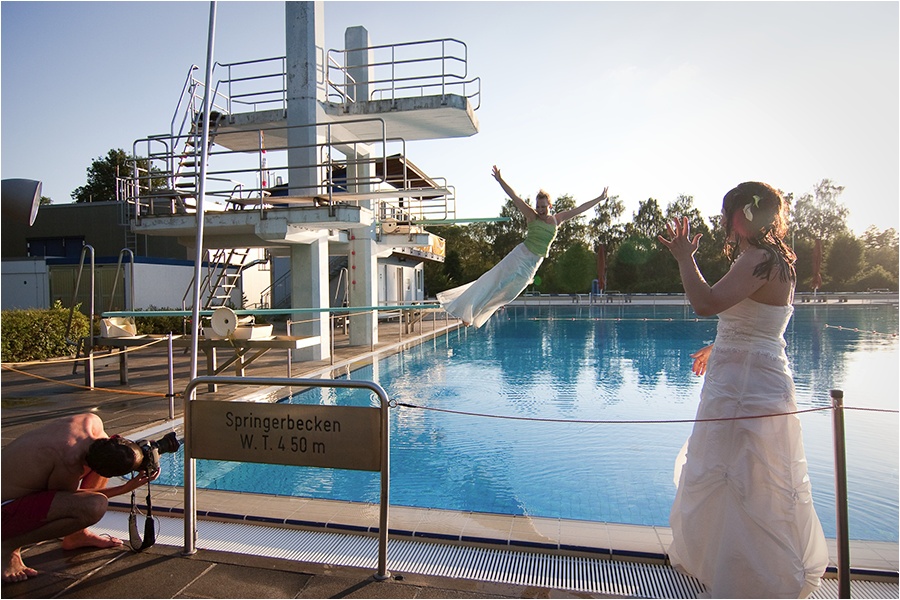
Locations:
column 573, row 212
column 523, row 206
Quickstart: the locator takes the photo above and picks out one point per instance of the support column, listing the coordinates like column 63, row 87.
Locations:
column 363, row 263
column 309, row 288
column 305, row 51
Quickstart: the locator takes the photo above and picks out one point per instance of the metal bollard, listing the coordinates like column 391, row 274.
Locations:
column 840, row 492
column 171, row 393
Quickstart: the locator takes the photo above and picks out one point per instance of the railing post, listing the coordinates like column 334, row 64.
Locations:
column 171, row 393
column 840, row 489
column 290, row 353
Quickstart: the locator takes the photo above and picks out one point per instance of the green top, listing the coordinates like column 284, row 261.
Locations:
column 539, row 237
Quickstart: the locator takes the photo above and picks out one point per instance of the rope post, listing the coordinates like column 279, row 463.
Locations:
column 330, row 336
column 290, row 352
column 171, row 393
column 840, row 491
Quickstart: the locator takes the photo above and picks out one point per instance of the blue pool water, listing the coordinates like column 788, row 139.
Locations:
column 609, row 363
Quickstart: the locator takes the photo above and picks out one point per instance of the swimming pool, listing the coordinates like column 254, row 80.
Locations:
column 600, row 363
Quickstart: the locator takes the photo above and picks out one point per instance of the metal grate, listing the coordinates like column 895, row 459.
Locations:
column 496, row 565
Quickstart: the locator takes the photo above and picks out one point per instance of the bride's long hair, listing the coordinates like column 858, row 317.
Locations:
column 756, row 212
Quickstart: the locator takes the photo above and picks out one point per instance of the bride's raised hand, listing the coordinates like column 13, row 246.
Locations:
column 679, row 242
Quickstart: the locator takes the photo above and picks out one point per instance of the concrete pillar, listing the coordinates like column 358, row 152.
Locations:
column 309, row 288
column 362, row 260
column 305, row 51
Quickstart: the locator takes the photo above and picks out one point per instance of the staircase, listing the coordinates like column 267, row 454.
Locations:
column 223, row 275
column 185, row 176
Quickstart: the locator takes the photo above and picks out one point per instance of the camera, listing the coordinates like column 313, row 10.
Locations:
column 151, row 450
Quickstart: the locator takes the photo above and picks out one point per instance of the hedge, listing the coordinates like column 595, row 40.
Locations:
column 39, row 334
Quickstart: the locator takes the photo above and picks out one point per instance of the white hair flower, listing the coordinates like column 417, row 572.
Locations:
column 748, row 212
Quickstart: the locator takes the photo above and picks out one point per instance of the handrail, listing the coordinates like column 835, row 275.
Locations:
column 112, row 294
column 230, row 81
column 443, row 77
column 87, row 248
column 187, row 85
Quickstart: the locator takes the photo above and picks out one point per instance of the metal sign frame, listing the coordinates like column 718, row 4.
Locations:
column 190, row 478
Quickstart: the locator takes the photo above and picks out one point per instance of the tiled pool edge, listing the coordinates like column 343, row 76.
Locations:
column 632, row 543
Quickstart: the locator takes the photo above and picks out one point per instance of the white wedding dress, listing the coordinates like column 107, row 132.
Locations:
column 743, row 520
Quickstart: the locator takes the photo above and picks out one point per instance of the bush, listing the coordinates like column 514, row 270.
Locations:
column 159, row 325
column 876, row 277
column 37, row 334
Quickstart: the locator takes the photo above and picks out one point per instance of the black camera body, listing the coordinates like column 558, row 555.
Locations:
column 151, row 450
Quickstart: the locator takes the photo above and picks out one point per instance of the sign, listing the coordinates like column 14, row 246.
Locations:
column 340, row 437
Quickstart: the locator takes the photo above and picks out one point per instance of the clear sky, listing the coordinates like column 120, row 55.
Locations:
column 651, row 99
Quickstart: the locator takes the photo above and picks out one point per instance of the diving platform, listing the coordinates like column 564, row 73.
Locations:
column 411, row 119
column 256, row 228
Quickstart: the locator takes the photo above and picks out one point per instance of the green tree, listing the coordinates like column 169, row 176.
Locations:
column 507, row 234
column 103, row 172
column 844, row 261
column 468, row 255
column 882, row 248
column 573, row 232
column 45, row 200
column 574, row 269
column 602, row 228
column 648, row 221
column 820, row 216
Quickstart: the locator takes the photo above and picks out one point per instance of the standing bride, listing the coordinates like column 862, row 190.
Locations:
column 475, row 302
column 743, row 520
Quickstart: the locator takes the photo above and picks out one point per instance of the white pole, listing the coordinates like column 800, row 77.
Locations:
column 190, row 479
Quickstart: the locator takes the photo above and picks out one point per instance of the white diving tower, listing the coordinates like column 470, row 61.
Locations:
column 308, row 158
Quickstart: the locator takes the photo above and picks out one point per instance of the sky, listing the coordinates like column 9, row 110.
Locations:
column 653, row 99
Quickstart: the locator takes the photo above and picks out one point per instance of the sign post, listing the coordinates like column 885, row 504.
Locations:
column 339, row 437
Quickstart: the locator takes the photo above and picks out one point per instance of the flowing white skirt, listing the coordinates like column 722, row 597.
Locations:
column 743, row 520
column 476, row 301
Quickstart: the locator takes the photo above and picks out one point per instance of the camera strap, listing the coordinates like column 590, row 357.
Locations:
column 134, row 536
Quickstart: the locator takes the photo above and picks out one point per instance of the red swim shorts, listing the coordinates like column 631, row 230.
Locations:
column 26, row 513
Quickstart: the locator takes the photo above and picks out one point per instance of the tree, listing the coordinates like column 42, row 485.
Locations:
column 648, row 221
column 574, row 269
column 102, row 174
column 882, row 248
column 468, row 255
column 506, row 235
column 45, row 200
column 819, row 216
column 844, row 261
column 573, row 231
column 602, row 228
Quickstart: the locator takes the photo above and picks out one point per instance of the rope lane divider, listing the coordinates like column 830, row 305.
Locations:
column 858, row 330
column 624, row 422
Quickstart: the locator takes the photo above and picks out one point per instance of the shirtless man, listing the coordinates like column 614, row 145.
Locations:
column 54, row 485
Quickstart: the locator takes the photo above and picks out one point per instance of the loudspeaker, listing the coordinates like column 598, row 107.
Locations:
column 20, row 200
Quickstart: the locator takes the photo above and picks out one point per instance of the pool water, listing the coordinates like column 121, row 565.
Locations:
column 600, row 363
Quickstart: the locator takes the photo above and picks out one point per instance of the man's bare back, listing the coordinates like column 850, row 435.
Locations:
column 49, row 458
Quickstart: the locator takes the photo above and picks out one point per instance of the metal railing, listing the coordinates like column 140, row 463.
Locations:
column 409, row 69
column 340, row 170
column 256, row 84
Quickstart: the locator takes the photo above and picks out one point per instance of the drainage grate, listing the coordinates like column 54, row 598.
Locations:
column 497, row 565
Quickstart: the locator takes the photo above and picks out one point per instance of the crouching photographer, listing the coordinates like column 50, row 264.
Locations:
column 54, row 484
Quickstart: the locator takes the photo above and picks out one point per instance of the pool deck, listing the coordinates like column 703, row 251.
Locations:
column 163, row 571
